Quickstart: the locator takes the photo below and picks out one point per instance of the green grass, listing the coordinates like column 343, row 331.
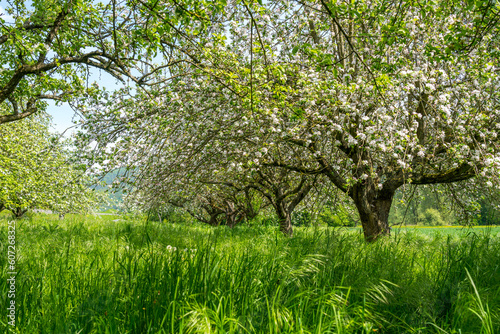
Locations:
column 103, row 275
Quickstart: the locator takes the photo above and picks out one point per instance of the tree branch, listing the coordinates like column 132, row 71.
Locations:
column 460, row 173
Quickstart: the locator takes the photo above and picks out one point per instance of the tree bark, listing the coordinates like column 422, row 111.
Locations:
column 373, row 207
column 214, row 221
column 285, row 219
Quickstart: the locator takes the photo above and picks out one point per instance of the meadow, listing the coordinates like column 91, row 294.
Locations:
column 113, row 274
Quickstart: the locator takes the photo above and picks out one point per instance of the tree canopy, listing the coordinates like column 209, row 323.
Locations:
column 50, row 48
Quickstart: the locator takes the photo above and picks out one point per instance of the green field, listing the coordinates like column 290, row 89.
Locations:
column 459, row 231
column 113, row 274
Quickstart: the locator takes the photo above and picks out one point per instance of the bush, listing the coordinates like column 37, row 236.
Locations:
column 336, row 218
column 432, row 217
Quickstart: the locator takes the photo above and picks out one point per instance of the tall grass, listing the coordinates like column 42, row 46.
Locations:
column 102, row 276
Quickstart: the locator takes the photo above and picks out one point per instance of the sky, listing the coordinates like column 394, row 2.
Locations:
column 63, row 115
column 3, row 14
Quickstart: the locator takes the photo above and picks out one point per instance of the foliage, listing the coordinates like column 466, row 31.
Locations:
column 422, row 206
column 101, row 275
column 49, row 49
column 336, row 217
column 301, row 218
column 489, row 212
column 36, row 171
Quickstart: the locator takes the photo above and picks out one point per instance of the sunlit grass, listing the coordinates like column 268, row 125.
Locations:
column 116, row 274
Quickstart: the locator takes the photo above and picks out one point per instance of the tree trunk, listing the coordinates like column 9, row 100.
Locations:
column 285, row 220
column 233, row 220
column 213, row 212
column 213, row 219
column 373, row 207
column 233, row 214
column 248, row 209
column 18, row 212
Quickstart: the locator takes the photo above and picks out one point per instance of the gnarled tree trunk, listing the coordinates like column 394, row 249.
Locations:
column 214, row 217
column 373, row 208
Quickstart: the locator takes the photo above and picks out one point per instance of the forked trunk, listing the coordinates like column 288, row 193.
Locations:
column 373, row 208
column 213, row 212
column 285, row 199
column 18, row 212
column 233, row 215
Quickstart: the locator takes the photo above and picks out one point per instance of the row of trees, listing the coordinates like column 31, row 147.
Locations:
column 284, row 97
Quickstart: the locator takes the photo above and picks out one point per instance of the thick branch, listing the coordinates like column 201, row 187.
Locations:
column 461, row 173
column 22, row 71
column 296, row 190
column 31, row 108
column 294, row 168
column 53, row 31
column 26, row 27
column 300, row 195
column 326, row 168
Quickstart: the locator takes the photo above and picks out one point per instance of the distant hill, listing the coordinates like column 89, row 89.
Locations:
column 115, row 195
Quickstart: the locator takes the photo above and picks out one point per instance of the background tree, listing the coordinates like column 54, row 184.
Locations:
column 36, row 171
column 464, row 202
column 282, row 189
column 208, row 202
column 285, row 191
column 376, row 103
